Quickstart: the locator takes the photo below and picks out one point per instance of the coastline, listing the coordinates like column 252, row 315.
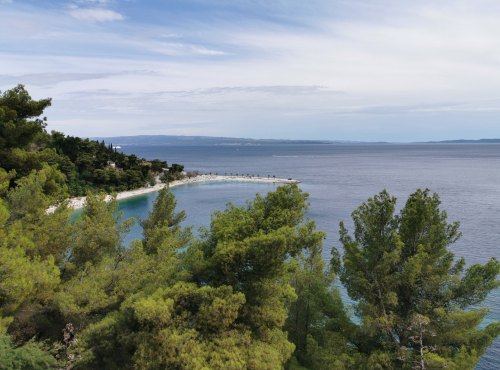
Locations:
column 79, row 202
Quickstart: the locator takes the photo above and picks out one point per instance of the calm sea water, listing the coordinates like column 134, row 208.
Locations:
column 340, row 177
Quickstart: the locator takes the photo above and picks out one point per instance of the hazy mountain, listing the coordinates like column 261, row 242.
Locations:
column 199, row 140
column 464, row 141
column 211, row 141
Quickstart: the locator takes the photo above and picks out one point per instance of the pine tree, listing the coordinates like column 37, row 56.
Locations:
column 413, row 299
column 317, row 322
column 163, row 224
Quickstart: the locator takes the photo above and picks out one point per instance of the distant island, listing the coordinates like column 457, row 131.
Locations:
column 178, row 140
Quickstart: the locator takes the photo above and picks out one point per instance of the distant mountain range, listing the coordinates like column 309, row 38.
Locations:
column 211, row 141
column 199, row 140
column 464, row 141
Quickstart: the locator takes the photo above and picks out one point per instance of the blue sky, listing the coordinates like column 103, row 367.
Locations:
column 317, row 69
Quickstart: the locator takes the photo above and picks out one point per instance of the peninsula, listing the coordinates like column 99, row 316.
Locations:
column 79, row 202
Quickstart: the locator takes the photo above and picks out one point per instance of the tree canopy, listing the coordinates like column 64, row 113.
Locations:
column 413, row 298
column 253, row 292
column 87, row 165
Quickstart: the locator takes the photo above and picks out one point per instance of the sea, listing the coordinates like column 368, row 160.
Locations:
column 339, row 177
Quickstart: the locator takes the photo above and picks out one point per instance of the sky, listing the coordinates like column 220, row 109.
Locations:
column 364, row 70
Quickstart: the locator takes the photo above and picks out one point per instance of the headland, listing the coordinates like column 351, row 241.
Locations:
column 79, row 202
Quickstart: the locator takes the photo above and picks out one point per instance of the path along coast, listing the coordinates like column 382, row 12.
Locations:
column 79, row 202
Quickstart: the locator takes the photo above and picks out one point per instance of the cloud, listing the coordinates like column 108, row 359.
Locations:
column 277, row 89
column 227, row 90
column 201, row 50
column 102, row 2
column 54, row 78
column 48, row 78
column 175, row 48
column 96, row 14
column 258, row 65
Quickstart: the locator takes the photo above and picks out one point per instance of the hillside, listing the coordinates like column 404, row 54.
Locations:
column 25, row 145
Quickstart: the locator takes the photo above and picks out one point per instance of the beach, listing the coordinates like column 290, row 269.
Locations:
column 79, row 202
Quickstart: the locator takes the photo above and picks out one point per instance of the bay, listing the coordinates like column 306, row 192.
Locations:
column 339, row 177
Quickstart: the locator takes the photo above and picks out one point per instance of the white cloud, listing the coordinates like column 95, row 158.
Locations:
column 201, row 50
column 94, row 1
column 172, row 48
column 96, row 14
column 54, row 78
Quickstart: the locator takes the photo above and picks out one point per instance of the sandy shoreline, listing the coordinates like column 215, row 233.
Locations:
column 79, row 202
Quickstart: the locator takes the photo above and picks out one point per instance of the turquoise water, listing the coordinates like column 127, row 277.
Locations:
column 199, row 201
column 340, row 177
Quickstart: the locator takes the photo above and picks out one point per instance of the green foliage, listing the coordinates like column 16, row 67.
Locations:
column 317, row 323
column 92, row 164
column 97, row 234
column 32, row 356
column 411, row 295
column 36, row 192
column 87, row 165
column 183, row 326
column 5, row 178
column 162, row 228
column 193, row 318
column 252, row 293
column 23, row 279
column 249, row 249
column 19, row 125
column 175, row 172
column 27, row 217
